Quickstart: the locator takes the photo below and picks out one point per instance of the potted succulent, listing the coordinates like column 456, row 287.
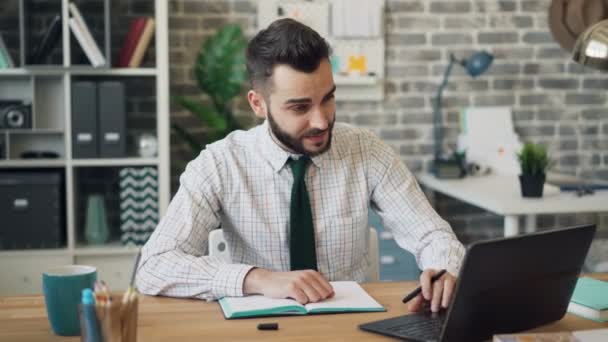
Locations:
column 220, row 74
column 534, row 162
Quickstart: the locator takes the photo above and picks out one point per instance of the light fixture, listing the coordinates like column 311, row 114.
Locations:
column 451, row 166
column 591, row 48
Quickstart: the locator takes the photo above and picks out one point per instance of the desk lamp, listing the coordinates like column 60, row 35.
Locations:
column 452, row 167
column 591, row 48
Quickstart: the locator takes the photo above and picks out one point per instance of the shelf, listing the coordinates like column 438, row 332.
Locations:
column 77, row 162
column 31, row 163
column 33, row 131
column 115, row 162
column 355, row 80
column 35, row 252
column 59, row 70
column 113, row 72
column 113, row 248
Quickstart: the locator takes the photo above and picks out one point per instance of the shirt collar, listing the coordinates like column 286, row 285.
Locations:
column 277, row 156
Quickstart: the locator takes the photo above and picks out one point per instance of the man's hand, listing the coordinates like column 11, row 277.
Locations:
column 438, row 293
column 306, row 286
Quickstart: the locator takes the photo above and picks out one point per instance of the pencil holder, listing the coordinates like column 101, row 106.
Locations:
column 116, row 322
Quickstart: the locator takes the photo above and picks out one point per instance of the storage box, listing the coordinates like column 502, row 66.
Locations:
column 31, row 209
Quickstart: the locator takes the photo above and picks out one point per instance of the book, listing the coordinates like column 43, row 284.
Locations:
column 537, row 337
column 79, row 34
column 48, row 42
column 135, row 30
column 590, row 299
column 595, row 335
column 349, row 297
column 5, row 55
column 88, row 37
column 142, row 44
column 3, row 64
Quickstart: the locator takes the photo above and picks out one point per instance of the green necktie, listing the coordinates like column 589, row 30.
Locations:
column 302, row 234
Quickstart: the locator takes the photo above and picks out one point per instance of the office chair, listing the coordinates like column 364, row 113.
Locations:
column 219, row 248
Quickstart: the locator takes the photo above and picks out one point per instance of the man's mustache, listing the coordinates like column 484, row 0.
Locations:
column 315, row 131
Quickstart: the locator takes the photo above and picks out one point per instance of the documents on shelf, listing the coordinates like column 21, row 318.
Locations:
column 349, row 297
column 136, row 42
column 6, row 61
column 85, row 38
column 142, row 44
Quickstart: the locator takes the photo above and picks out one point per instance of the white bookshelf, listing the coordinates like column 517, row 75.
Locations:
column 77, row 71
column 50, row 86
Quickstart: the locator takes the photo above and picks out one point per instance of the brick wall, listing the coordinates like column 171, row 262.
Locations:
column 554, row 101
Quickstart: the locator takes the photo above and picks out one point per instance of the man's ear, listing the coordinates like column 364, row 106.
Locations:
column 257, row 103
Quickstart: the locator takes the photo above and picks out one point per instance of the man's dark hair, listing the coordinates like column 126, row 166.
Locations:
column 285, row 41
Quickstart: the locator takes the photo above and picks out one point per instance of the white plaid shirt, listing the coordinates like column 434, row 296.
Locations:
column 243, row 184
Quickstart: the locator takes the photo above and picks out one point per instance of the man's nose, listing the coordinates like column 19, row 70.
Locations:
column 319, row 120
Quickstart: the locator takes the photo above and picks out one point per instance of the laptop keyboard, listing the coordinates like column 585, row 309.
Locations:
column 424, row 326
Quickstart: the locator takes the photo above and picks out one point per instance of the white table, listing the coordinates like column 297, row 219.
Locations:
column 502, row 195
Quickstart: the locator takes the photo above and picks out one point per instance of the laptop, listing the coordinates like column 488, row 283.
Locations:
column 505, row 285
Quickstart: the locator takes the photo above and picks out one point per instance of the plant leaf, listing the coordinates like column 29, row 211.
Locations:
column 220, row 68
column 533, row 159
column 206, row 114
column 188, row 138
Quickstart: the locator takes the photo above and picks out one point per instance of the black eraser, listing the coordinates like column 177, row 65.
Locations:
column 268, row 326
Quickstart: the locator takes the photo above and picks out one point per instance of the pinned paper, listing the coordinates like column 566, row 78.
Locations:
column 490, row 140
column 357, row 64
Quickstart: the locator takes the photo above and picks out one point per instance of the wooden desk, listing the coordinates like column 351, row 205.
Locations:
column 180, row 320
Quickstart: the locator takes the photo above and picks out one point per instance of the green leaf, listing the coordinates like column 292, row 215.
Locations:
column 220, row 66
column 195, row 146
column 534, row 159
column 206, row 114
column 220, row 73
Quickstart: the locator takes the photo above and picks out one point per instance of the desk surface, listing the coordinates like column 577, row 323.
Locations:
column 178, row 320
column 502, row 195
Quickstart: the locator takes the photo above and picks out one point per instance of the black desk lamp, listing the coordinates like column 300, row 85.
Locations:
column 453, row 166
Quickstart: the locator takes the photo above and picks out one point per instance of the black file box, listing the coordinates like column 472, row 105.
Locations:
column 85, row 137
column 32, row 210
column 112, row 119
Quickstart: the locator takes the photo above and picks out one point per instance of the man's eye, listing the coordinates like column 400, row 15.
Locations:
column 300, row 109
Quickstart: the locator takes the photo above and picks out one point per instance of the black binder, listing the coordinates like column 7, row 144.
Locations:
column 112, row 119
column 84, row 120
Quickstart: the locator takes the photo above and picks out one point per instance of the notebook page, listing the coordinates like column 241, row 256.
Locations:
column 257, row 303
column 349, row 296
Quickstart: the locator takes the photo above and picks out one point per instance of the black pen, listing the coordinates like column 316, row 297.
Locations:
column 419, row 289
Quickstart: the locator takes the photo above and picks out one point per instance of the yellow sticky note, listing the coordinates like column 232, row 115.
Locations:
column 357, row 64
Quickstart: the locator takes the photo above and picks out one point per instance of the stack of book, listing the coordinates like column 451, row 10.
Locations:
column 6, row 61
column 136, row 42
column 590, row 299
column 594, row 335
column 85, row 38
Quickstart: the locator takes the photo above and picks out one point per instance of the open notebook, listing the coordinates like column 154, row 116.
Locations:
column 349, row 297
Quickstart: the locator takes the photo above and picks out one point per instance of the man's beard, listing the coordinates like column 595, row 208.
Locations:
column 295, row 144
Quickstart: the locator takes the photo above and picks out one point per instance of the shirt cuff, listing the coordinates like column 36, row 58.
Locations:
column 449, row 258
column 228, row 281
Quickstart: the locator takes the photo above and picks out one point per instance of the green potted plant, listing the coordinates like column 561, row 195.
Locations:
column 220, row 73
column 534, row 162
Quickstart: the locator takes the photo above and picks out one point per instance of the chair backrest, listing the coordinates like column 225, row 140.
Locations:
column 219, row 248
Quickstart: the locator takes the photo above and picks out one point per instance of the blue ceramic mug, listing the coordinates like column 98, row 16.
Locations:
column 62, row 287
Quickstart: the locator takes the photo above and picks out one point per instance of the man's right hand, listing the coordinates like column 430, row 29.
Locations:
column 306, row 286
